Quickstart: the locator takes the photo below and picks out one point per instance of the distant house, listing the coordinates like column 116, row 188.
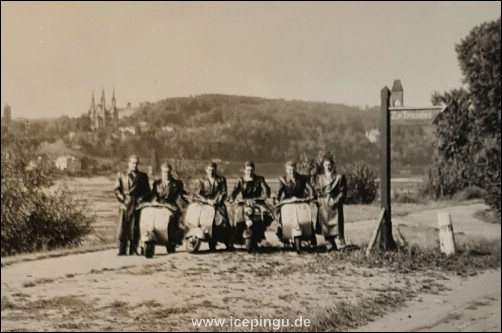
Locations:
column 167, row 128
column 372, row 135
column 68, row 163
column 144, row 126
column 127, row 130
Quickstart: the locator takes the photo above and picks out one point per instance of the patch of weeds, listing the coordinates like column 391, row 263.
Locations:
column 487, row 215
column 73, row 326
column 37, row 282
column 118, row 304
column 150, row 304
column 287, row 297
column 472, row 256
column 8, row 304
column 166, row 312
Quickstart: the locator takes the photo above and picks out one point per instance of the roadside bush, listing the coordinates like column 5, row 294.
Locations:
column 36, row 214
column 361, row 183
column 469, row 193
column 408, row 198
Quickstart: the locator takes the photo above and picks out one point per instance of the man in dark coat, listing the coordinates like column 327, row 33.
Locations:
column 131, row 189
column 251, row 186
column 292, row 185
column 213, row 190
column 168, row 190
column 332, row 192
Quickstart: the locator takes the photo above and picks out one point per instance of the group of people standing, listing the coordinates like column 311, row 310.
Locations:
column 133, row 188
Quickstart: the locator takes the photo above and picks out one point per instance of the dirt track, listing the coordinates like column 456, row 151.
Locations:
column 100, row 291
column 472, row 305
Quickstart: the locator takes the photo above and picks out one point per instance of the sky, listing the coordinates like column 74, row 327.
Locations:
column 55, row 54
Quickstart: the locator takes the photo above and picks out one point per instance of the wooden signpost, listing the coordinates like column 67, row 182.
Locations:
column 397, row 115
column 415, row 115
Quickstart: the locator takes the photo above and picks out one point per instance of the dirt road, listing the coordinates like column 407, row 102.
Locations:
column 101, row 291
column 471, row 305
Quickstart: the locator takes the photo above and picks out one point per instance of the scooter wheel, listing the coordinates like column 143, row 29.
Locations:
column 249, row 245
column 212, row 245
column 298, row 245
column 171, row 247
column 193, row 244
column 149, row 249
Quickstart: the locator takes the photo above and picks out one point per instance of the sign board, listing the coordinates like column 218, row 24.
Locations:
column 415, row 115
column 403, row 115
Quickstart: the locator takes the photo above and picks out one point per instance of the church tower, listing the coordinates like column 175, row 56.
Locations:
column 92, row 112
column 103, row 107
column 396, row 94
column 114, row 111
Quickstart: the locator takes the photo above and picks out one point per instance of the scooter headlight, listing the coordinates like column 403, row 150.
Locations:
column 249, row 223
column 248, row 211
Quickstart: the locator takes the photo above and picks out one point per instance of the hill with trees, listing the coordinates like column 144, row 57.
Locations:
column 239, row 128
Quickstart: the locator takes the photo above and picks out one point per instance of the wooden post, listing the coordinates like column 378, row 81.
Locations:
column 446, row 236
column 376, row 232
column 386, row 241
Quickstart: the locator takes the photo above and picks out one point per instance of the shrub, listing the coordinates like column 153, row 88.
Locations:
column 34, row 215
column 469, row 193
column 361, row 183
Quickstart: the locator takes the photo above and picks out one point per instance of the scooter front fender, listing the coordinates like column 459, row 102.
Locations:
column 149, row 236
column 296, row 232
column 196, row 232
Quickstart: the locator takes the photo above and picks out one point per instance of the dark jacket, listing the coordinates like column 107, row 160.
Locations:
column 130, row 192
column 169, row 193
column 216, row 191
column 299, row 187
column 254, row 188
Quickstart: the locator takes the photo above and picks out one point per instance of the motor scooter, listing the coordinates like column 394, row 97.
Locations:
column 296, row 219
column 159, row 225
column 249, row 228
column 199, row 218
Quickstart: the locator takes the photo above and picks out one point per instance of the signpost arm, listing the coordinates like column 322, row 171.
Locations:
column 386, row 241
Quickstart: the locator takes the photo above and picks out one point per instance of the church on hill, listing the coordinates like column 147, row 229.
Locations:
column 102, row 117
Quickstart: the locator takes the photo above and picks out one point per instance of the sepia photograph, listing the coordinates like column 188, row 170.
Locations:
column 260, row 166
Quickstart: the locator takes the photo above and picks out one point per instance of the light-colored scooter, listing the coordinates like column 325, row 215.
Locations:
column 199, row 218
column 158, row 225
column 297, row 222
